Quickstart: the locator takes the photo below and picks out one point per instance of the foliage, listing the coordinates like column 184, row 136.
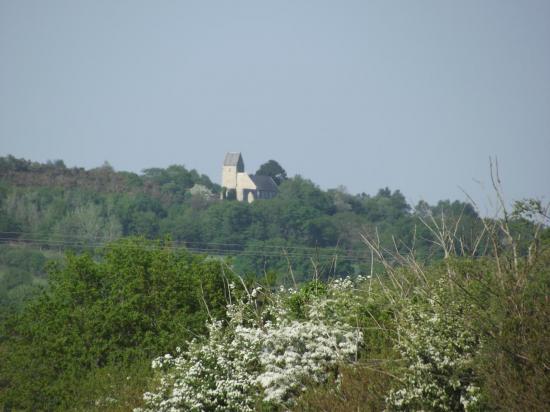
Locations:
column 359, row 387
column 513, row 319
column 292, row 262
column 438, row 349
column 462, row 333
column 214, row 375
column 469, row 331
column 88, row 224
column 139, row 299
column 22, row 274
column 23, row 258
column 262, row 354
column 273, row 169
column 453, row 315
column 75, row 208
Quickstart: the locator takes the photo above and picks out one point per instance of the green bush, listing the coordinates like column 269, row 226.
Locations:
column 23, row 258
column 138, row 300
column 437, row 347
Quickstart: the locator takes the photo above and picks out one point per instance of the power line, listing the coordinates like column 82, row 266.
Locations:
column 217, row 251
column 108, row 239
column 221, row 252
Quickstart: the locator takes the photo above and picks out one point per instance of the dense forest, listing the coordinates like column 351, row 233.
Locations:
column 47, row 208
column 361, row 302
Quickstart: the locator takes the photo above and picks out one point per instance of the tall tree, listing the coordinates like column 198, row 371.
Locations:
column 139, row 300
column 274, row 169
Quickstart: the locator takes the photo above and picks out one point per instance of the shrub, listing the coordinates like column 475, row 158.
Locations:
column 437, row 348
column 140, row 299
column 359, row 387
column 263, row 355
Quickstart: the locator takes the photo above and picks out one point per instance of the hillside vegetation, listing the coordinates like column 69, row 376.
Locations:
column 426, row 308
column 48, row 208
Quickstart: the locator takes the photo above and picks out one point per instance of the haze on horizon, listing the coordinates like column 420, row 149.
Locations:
column 415, row 96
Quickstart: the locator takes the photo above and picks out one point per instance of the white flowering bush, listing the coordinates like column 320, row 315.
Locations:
column 262, row 354
column 438, row 351
column 296, row 352
column 214, row 375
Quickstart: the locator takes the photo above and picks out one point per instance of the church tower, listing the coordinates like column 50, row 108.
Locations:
column 232, row 164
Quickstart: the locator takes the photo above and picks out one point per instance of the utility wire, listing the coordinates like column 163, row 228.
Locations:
column 54, row 237
column 185, row 242
column 225, row 252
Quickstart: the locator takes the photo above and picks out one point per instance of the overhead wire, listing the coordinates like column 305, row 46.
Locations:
column 339, row 254
column 109, row 239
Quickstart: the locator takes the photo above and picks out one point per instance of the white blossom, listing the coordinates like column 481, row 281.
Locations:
column 265, row 356
column 438, row 351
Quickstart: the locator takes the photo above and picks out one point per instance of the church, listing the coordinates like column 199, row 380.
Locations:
column 240, row 185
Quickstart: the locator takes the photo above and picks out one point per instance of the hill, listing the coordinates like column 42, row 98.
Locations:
column 46, row 209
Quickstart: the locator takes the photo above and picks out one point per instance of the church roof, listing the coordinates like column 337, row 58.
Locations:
column 232, row 159
column 265, row 183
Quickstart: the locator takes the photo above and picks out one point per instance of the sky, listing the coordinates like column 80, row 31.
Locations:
column 412, row 95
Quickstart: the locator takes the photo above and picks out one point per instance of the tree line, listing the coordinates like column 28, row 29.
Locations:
column 49, row 207
column 97, row 279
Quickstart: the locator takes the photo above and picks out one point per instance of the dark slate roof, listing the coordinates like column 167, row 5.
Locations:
column 232, row 159
column 265, row 183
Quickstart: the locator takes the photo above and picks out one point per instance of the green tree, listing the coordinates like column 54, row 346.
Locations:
column 140, row 300
column 87, row 224
column 274, row 169
column 307, row 193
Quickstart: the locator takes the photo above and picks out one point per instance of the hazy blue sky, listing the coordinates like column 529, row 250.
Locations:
column 414, row 95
